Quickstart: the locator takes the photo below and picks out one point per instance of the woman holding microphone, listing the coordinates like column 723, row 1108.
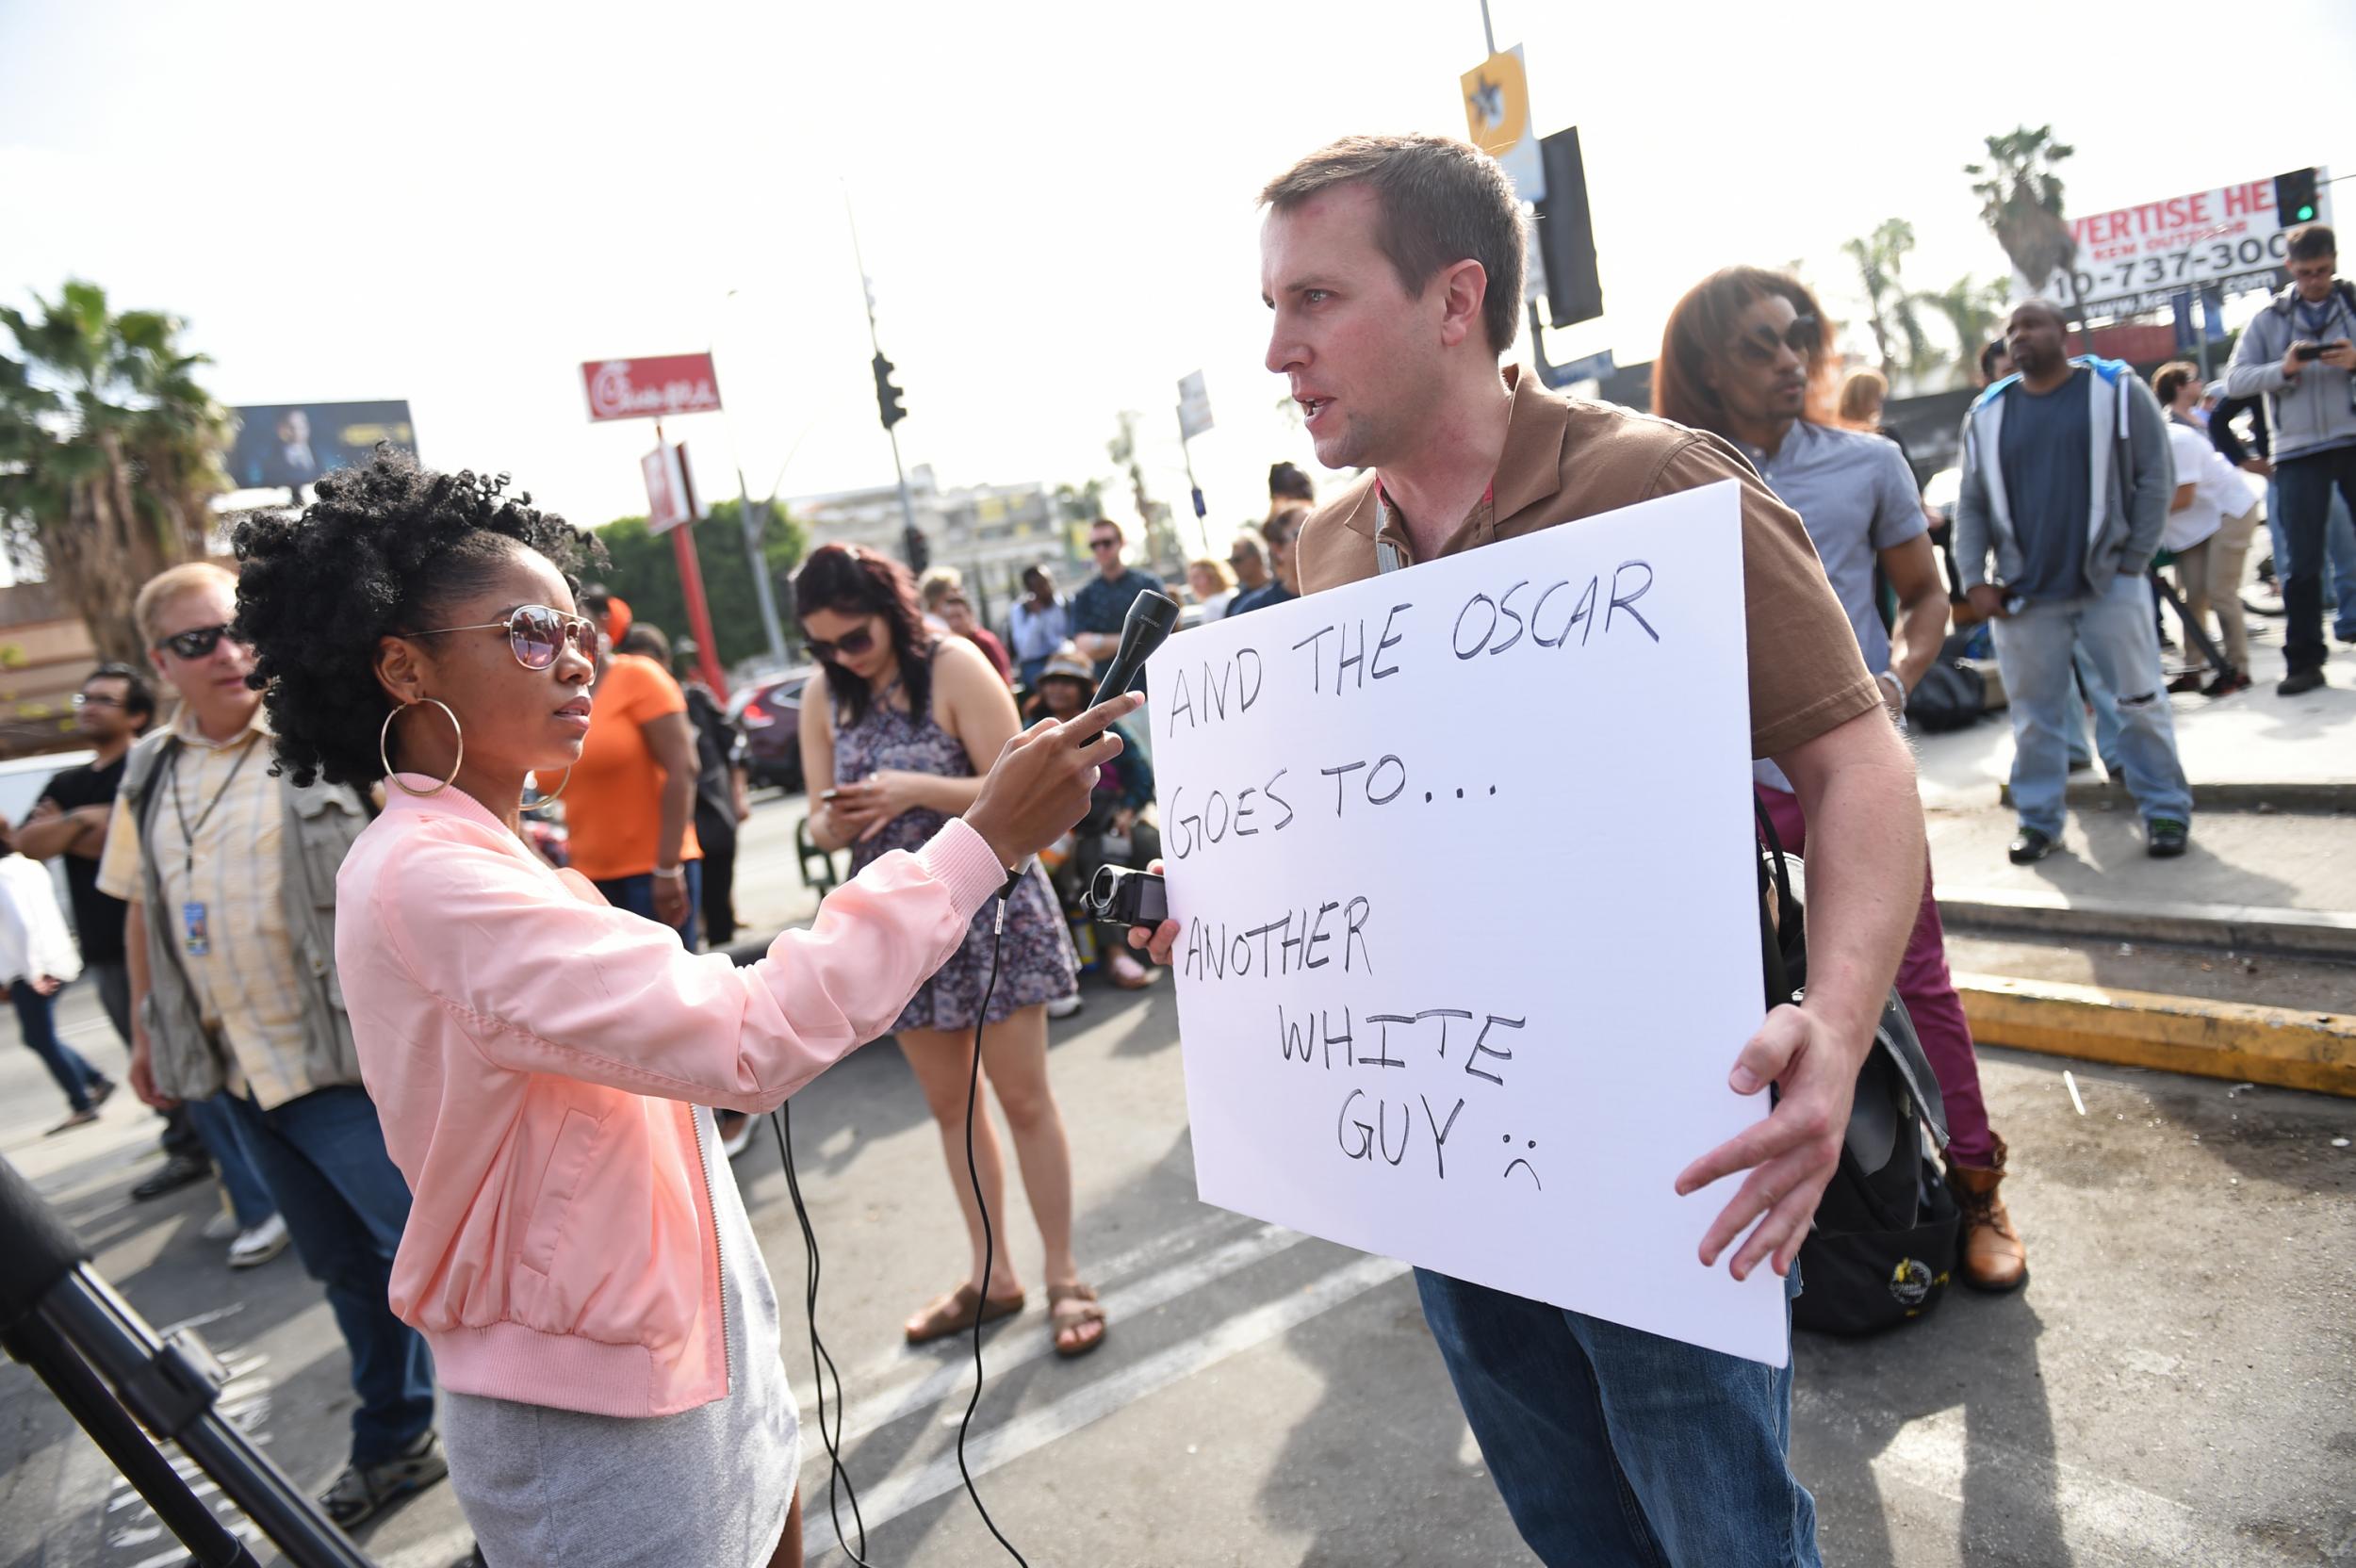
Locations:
column 603, row 1323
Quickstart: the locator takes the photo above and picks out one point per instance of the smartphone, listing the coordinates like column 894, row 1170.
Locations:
column 2307, row 350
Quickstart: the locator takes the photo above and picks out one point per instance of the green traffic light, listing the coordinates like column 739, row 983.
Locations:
column 2307, row 213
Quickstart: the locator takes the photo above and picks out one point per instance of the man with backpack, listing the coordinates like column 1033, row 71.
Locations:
column 1746, row 355
column 1393, row 267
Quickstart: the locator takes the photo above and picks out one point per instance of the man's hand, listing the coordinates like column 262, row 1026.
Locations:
column 1987, row 603
column 2293, row 362
column 47, row 985
column 1157, row 941
column 1791, row 1154
column 143, row 1070
column 670, row 897
column 2340, row 355
column 2258, row 465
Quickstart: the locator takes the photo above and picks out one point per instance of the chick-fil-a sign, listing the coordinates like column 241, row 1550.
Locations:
column 650, row 388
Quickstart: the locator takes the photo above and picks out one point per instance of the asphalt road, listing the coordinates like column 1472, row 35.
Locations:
column 2176, row 1385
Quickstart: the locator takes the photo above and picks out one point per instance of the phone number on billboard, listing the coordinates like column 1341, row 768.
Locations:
column 2195, row 263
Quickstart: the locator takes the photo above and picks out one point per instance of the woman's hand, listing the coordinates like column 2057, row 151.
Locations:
column 1044, row 781
column 875, row 800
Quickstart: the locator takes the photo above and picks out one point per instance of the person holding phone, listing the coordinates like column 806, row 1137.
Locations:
column 601, row 1319
column 892, row 744
column 2299, row 353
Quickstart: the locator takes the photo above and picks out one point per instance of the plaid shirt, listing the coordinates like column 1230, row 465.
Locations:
column 246, row 982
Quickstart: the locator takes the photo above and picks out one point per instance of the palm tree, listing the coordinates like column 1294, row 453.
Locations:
column 109, row 451
column 1892, row 311
column 1973, row 309
column 2021, row 202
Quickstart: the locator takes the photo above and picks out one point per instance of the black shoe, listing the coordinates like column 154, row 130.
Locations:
column 2082, row 764
column 2227, row 684
column 2029, row 846
column 178, row 1172
column 2296, row 681
column 365, row 1490
column 2163, row 838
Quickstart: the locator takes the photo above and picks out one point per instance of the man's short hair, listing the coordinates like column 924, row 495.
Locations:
column 1247, row 547
column 1989, row 352
column 939, row 585
column 2170, row 379
column 2310, row 242
column 1437, row 201
column 139, row 698
column 1106, row 522
column 1284, row 524
column 2060, row 319
column 1286, row 480
column 172, row 583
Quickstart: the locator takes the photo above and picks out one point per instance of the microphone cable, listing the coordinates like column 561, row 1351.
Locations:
column 821, row 1364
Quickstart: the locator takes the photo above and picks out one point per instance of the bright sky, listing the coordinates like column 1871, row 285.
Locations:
column 458, row 204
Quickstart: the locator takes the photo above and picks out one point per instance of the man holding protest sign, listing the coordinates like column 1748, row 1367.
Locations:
column 1393, row 265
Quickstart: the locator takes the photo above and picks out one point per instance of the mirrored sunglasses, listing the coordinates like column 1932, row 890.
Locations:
column 196, row 643
column 535, row 633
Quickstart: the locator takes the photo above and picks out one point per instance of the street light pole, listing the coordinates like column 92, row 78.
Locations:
column 755, row 559
column 907, row 507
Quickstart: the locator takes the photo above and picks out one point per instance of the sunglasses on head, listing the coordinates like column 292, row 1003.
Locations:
column 849, row 646
column 535, row 633
column 196, row 643
column 1803, row 336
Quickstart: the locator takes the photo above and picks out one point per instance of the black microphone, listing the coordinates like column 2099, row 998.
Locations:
column 1151, row 618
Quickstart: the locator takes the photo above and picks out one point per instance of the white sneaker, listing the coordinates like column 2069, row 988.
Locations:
column 735, row 1143
column 259, row 1245
column 221, row 1227
column 1064, row 1006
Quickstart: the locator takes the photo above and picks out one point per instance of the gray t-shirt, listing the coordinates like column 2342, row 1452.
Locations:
column 1855, row 496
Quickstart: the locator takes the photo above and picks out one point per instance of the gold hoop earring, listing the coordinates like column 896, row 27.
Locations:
column 547, row 801
column 383, row 738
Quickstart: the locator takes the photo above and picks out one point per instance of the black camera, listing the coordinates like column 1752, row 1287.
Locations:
column 1120, row 896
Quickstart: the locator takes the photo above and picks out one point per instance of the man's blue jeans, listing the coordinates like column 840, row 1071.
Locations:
column 1617, row 1448
column 2307, row 513
column 36, row 1020
column 636, row 894
column 323, row 1157
column 217, row 1129
column 2098, row 697
column 2114, row 628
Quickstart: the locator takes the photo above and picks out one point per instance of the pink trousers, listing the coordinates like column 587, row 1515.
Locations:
column 1930, row 998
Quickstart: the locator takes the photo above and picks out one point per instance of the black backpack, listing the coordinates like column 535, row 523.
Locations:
column 1884, row 1243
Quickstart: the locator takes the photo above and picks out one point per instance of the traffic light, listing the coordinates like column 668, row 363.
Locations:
column 2294, row 196
column 918, row 548
column 887, row 396
column 1566, row 235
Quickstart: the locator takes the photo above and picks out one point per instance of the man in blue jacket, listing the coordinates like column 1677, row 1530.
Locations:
column 2299, row 351
column 2068, row 481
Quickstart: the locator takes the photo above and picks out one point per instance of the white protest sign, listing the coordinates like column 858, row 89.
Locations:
column 1462, row 860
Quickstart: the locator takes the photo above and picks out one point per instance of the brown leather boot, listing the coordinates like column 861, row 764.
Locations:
column 1993, row 1257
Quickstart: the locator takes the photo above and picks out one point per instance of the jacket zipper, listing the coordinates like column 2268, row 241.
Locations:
column 719, row 1252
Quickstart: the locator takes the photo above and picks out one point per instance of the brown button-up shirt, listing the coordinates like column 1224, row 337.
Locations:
column 1566, row 459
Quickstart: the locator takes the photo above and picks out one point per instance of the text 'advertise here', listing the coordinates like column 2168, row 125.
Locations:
column 1469, row 928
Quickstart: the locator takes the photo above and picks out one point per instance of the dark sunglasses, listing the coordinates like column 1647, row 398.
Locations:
column 1104, row 543
column 195, row 643
column 536, row 633
column 1802, row 337
column 849, row 646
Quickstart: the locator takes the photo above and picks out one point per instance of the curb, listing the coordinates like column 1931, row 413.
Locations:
column 2312, row 798
column 2228, row 927
column 2172, row 1034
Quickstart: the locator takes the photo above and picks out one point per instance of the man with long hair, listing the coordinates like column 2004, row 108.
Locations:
column 1393, row 268
column 1747, row 355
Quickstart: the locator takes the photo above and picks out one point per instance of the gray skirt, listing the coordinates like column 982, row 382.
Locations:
column 708, row 1486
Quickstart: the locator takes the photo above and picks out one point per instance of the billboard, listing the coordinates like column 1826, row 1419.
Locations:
column 283, row 445
column 2131, row 259
column 650, row 388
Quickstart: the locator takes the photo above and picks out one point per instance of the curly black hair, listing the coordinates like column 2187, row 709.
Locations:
column 378, row 554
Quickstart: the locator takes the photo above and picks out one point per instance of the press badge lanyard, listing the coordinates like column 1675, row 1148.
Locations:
column 1388, row 557
column 195, row 933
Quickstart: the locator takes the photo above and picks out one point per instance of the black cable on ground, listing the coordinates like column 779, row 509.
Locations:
column 821, row 1364
column 981, row 1292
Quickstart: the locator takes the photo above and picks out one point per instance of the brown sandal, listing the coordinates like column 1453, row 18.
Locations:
column 954, row 1314
column 1082, row 1300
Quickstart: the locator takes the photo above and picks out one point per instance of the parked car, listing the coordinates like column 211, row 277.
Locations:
column 769, row 712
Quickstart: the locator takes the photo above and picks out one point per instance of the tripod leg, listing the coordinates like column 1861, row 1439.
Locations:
column 124, row 1443
column 2193, row 629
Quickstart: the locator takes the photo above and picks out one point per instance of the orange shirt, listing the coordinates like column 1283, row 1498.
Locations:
column 613, row 802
